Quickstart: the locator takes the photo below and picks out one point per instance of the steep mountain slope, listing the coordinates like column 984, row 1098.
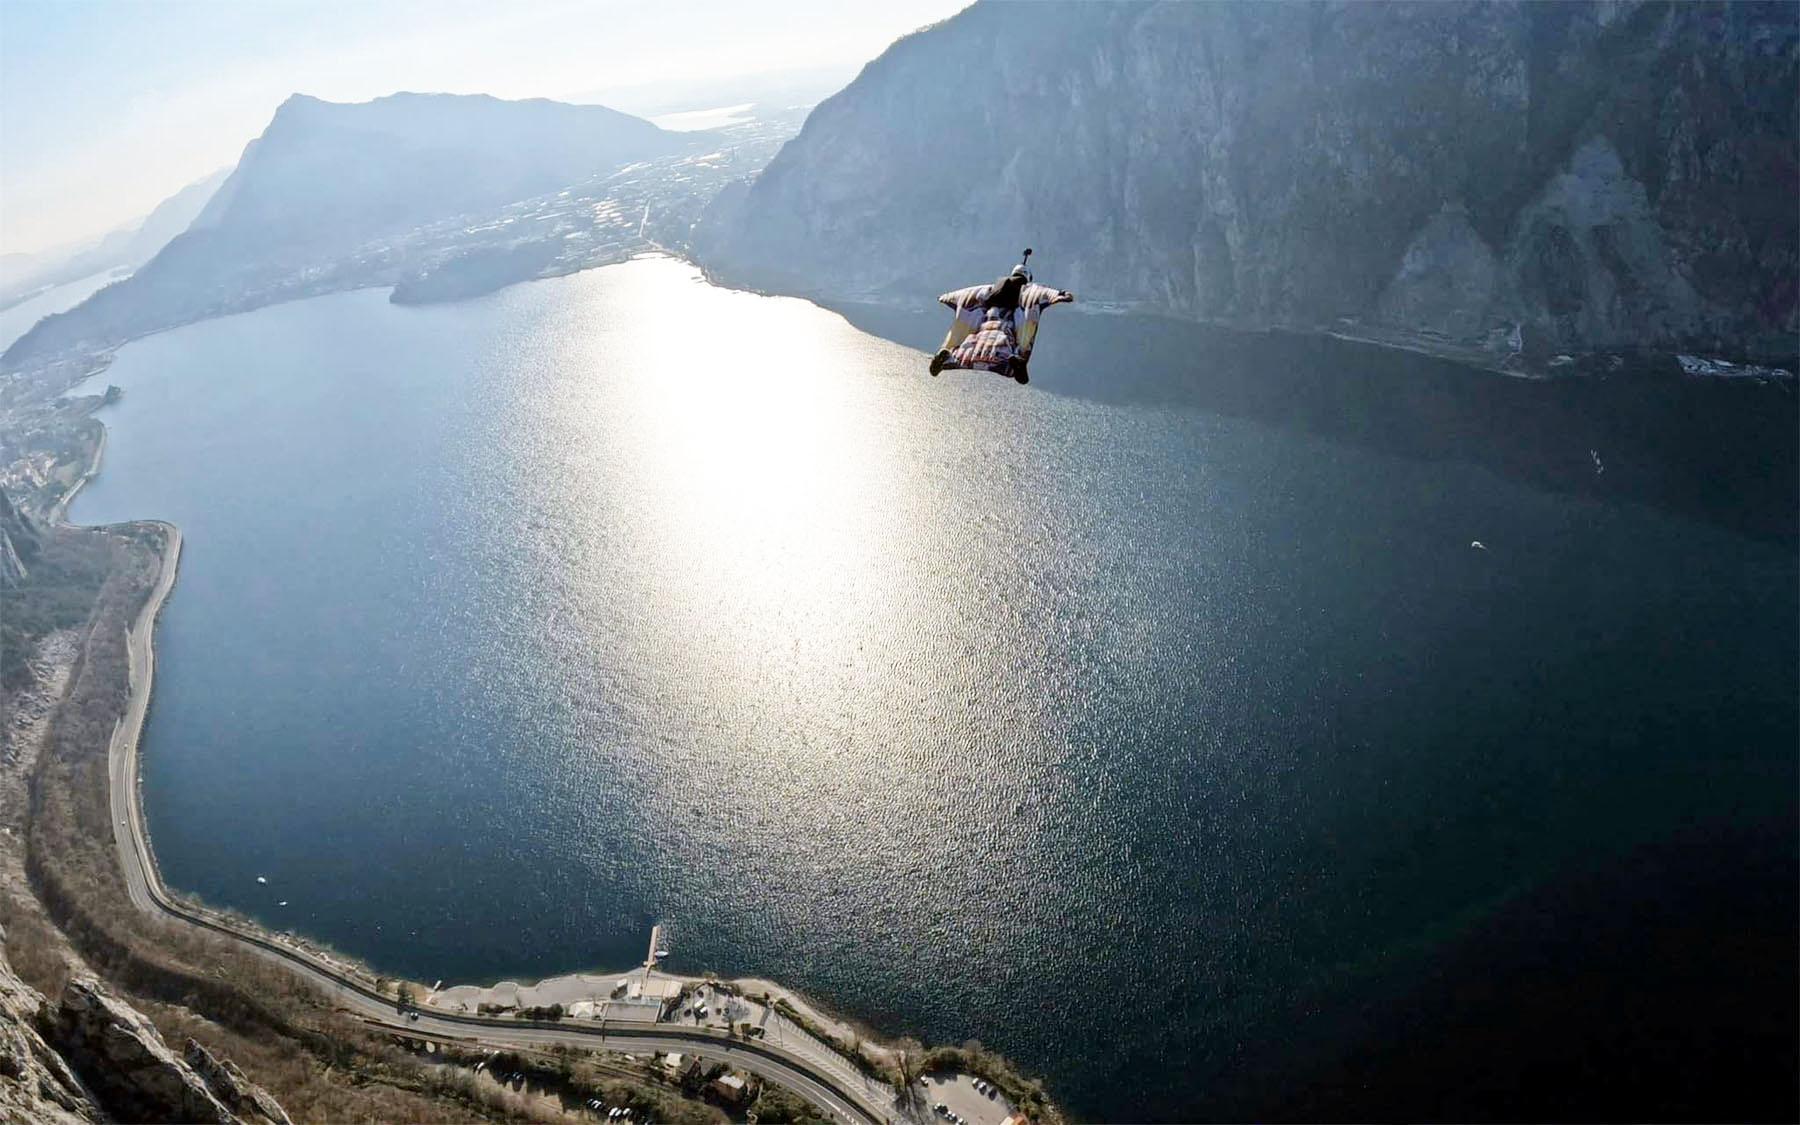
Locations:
column 20, row 540
column 36, row 1082
column 172, row 216
column 1546, row 176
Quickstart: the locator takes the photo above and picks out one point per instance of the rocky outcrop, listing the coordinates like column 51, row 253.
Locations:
column 124, row 1060
column 20, row 539
column 94, row 1058
column 1507, row 177
column 243, row 1097
column 36, row 1085
column 476, row 272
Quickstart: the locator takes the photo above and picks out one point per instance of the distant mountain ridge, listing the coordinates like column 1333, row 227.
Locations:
column 328, row 195
column 124, row 248
column 1540, row 176
column 333, row 173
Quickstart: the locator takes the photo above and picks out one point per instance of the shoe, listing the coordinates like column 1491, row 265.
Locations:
column 1022, row 375
column 938, row 360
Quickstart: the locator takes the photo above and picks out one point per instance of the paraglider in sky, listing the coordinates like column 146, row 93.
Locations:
column 996, row 324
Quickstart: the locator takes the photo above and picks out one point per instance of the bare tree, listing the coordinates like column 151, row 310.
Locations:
column 909, row 1064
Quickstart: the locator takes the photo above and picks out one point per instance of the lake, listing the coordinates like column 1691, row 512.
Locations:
column 17, row 319
column 1202, row 766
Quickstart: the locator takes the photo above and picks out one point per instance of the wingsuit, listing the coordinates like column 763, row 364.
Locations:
column 996, row 325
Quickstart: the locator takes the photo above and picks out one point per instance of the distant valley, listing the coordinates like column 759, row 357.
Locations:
column 23, row 276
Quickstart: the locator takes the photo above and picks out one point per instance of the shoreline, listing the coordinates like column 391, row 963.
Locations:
column 137, row 855
column 125, row 799
column 127, row 775
column 124, row 761
column 123, row 749
column 350, row 985
column 144, row 877
column 847, row 1076
column 803, row 1061
column 57, row 514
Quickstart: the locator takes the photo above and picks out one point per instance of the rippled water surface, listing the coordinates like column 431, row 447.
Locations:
column 1143, row 744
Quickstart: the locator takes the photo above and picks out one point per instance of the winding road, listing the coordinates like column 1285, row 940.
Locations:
column 871, row 1104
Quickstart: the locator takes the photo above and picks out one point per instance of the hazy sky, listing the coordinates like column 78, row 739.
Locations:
column 109, row 106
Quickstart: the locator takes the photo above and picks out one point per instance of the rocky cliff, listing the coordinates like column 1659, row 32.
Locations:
column 36, row 1084
column 20, row 541
column 1504, row 177
column 127, row 1067
column 91, row 1057
column 125, row 1060
column 243, row 1097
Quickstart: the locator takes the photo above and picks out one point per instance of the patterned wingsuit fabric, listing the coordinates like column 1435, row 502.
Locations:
column 996, row 336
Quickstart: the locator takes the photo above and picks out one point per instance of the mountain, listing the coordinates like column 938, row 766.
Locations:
column 336, row 196
column 172, row 216
column 327, row 175
column 17, row 266
column 21, row 275
column 1497, row 177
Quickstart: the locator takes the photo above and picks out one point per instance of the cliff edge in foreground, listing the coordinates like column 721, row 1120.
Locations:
column 91, row 1057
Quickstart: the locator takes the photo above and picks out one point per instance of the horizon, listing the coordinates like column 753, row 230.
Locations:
column 130, row 104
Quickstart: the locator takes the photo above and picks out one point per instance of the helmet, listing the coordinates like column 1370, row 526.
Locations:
column 1019, row 271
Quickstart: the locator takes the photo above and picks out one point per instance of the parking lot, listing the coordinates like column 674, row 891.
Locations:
column 721, row 1009
column 959, row 1095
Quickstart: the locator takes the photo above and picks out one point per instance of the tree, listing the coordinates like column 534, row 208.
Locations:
column 909, row 1063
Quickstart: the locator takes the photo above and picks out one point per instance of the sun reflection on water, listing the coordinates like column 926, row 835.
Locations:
column 771, row 486
column 766, row 523
column 511, row 625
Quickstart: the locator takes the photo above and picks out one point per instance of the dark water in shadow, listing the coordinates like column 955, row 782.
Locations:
column 1727, row 451
column 1651, row 987
column 1197, row 762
